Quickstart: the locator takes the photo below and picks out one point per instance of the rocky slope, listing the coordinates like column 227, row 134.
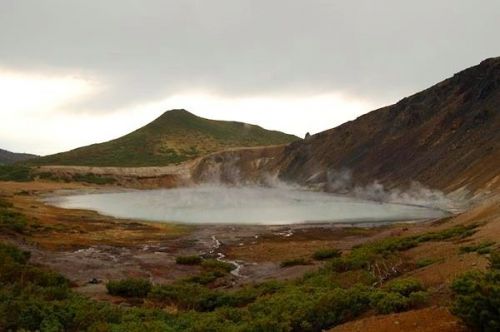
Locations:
column 445, row 137
column 174, row 137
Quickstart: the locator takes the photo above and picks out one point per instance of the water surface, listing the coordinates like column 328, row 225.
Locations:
column 241, row 205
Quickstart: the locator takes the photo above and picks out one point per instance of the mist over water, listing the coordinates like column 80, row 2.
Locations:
column 242, row 205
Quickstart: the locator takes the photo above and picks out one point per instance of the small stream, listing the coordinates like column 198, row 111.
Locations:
column 221, row 257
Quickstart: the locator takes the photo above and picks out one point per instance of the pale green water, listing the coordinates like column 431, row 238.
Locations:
column 241, row 205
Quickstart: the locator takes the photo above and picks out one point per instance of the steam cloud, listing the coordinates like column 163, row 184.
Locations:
column 228, row 170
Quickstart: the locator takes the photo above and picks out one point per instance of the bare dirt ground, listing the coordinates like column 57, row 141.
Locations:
column 83, row 245
column 423, row 320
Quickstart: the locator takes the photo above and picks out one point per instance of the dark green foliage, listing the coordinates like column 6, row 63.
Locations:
column 188, row 260
column 293, row 262
column 404, row 286
column 93, row 178
column 206, row 277
column 129, row 287
column 398, row 295
column 425, row 262
column 481, row 248
column 15, row 173
column 460, row 232
column 361, row 257
column 32, row 298
column 216, row 265
column 12, row 253
column 13, row 221
column 495, row 260
column 477, row 297
column 174, row 137
column 385, row 303
column 326, row 253
column 10, row 220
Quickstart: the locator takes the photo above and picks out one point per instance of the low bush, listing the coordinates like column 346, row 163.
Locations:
column 326, row 253
column 216, row 265
column 10, row 252
column 477, row 297
column 404, row 286
column 188, row 260
column 387, row 302
column 11, row 220
column 398, row 295
column 293, row 262
column 206, row 277
column 15, row 173
column 481, row 248
column 425, row 262
column 129, row 287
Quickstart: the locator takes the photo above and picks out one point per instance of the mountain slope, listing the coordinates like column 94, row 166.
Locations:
column 174, row 137
column 7, row 157
column 446, row 137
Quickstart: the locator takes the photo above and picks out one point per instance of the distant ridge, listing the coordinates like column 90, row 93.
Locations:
column 7, row 157
column 174, row 137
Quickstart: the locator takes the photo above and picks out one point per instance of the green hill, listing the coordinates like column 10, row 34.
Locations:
column 174, row 137
column 7, row 157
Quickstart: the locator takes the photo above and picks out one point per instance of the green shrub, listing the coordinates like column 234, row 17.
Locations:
column 12, row 221
column 398, row 295
column 188, row 260
column 425, row 262
column 214, row 264
column 388, row 302
column 404, row 286
column 495, row 260
column 129, row 287
column 187, row 296
column 11, row 252
column 477, row 297
column 417, row 299
column 206, row 277
column 326, row 253
column 15, row 173
column 293, row 262
column 481, row 248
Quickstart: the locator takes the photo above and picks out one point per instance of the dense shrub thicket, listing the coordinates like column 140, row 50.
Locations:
column 477, row 297
column 327, row 253
column 32, row 298
column 293, row 262
column 188, row 260
column 15, row 173
column 11, row 221
column 129, row 287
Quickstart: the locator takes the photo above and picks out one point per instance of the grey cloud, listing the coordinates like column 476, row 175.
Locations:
column 145, row 50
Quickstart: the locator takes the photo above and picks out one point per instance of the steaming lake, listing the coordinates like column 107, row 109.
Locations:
column 241, row 205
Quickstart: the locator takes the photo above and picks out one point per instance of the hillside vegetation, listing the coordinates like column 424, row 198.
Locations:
column 7, row 157
column 174, row 137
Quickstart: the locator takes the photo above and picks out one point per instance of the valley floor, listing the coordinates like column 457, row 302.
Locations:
column 90, row 249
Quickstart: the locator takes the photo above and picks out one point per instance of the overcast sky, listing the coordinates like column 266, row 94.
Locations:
column 78, row 72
